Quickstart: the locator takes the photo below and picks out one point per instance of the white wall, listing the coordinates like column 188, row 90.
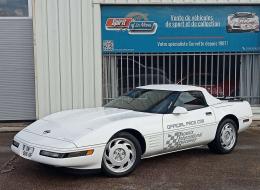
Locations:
column 68, row 62
column 67, row 48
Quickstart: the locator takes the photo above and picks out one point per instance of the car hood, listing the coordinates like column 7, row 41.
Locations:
column 73, row 124
column 244, row 20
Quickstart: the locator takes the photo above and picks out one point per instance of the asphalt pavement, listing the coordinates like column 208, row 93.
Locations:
column 192, row 169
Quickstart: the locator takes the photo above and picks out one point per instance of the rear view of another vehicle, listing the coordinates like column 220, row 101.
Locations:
column 243, row 22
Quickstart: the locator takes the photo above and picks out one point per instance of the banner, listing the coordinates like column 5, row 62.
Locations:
column 150, row 29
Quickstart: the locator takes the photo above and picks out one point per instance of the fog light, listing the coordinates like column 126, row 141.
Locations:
column 66, row 155
column 81, row 153
column 52, row 154
column 76, row 154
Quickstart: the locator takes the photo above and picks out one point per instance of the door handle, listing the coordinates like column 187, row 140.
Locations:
column 208, row 113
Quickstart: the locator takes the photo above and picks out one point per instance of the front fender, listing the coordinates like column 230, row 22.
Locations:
column 150, row 124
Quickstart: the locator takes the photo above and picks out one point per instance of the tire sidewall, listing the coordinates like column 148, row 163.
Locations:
column 138, row 149
column 218, row 136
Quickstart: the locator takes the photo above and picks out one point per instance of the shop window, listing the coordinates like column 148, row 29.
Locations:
column 14, row 8
column 250, row 78
column 221, row 74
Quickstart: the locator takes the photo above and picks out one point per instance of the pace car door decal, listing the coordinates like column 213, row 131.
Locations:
column 188, row 130
column 177, row 139
column 188, row 123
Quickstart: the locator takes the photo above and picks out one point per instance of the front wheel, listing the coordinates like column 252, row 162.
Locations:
column 226, row 137
column 122, row 154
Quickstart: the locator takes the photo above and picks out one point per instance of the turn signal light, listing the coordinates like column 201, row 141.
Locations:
column 90, row 152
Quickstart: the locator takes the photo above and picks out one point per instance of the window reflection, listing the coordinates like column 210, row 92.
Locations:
column 13, row 8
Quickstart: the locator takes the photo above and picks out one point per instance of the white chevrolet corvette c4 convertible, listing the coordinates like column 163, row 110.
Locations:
column 148, row 121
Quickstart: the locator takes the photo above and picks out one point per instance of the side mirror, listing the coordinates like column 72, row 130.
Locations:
column 180, row 110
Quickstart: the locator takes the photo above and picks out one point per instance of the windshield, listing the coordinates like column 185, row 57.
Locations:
column 145, row 100
column 246, row 15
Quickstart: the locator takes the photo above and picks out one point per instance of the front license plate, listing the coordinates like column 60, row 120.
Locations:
column 27, row 151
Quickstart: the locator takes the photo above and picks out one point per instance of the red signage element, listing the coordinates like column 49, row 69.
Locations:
column 118, row 23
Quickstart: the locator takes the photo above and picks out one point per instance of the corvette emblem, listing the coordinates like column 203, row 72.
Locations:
column 47, row 131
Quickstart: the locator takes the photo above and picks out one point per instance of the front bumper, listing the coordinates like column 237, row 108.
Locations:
column 82, row 162
column 232, row 28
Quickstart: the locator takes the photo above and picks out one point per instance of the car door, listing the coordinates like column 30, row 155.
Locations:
column 195, row 127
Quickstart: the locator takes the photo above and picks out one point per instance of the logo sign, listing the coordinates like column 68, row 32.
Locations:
column 142, row 27
column 46, row 131
column 118, row 23
column 189, row 28
column 133, row 27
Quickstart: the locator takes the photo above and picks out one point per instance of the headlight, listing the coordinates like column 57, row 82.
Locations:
column 66, row 155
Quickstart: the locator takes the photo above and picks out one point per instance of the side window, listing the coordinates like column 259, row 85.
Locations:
column 191, row 100
column 165, row 106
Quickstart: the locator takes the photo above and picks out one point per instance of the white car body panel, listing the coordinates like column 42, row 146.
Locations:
column 195, row 128
column 92, row 128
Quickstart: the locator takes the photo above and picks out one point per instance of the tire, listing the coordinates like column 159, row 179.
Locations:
column 225, row 143
column 121, row 155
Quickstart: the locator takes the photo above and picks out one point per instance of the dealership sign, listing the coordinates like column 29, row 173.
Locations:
column 180, row 29
column 132, row 26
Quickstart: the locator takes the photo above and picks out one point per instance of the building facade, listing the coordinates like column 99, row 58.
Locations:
column 83, row 53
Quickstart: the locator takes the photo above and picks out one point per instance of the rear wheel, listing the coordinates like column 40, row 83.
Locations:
column 226, row 137
column 122, row 154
